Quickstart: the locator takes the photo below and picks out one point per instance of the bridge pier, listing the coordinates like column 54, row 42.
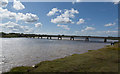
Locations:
column 41, row 37
column 49, row 37
column 87, row 39
column 105, row 40
column 71, row 38
column 59, row 38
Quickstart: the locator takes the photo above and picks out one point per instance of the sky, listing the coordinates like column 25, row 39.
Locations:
column 68, row 18
column 67, row 0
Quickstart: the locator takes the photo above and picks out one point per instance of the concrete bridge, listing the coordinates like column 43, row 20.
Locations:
column 60, row 37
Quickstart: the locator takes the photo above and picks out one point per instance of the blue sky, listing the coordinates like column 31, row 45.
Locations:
column 96, row 18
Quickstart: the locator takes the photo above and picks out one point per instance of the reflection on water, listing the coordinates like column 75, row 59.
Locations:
column 27, row 52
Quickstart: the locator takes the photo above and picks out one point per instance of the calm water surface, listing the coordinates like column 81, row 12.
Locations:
column 27, row 52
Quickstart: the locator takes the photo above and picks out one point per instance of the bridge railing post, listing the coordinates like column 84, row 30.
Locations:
column 71, row 38
column 105, row 40
column 87, row 39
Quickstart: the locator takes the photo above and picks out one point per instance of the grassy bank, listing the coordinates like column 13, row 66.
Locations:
column 101, row 60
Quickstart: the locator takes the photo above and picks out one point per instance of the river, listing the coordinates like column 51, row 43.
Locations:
column 28, row 51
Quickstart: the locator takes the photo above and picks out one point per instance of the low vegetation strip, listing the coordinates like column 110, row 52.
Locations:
column 101, row 60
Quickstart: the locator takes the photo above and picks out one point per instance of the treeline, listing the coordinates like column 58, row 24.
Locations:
column 10, row 35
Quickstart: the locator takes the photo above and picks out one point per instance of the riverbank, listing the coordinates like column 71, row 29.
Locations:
column 101, row 60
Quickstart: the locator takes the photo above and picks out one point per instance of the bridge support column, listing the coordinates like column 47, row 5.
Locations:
column 41, row 37
column 59, row 38
column 71, row 38
column 38, row 37
column 105, row 40
column 50, row 37
column 87, row 39
column 47, row 37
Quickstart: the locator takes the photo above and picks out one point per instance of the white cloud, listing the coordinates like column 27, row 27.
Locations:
column 18, row 5
column 116, row 2
column 108, row 32
column 70, row 13
column 78, row 0
column 73, row 2
column 28, row 17
column 38, row 24
column 13, row 27
column 61, row 20
column 65, row 18
column 97, row 0
column 81, row 21
column 110, row 24
column 97, row 33
column 53, row 11
column 3, row 3
column 88, row 29
column 9, row 15
column 4, row 13
column 64, row 26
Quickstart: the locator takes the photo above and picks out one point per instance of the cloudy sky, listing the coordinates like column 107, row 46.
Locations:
column 69, row 18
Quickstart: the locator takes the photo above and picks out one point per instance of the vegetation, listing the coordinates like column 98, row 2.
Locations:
column 14, row 35
column 101, row 60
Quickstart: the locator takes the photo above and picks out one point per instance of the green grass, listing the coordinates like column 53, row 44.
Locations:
column 101, row 60
column 21, row 69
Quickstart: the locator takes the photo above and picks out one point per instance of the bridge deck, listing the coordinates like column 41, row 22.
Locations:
column 116, row 38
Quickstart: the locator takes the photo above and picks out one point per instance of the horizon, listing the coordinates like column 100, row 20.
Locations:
column 58, row 34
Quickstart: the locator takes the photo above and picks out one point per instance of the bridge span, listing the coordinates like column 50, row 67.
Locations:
column 60, row 37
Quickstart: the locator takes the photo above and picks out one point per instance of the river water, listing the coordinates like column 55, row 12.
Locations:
column 27, row 51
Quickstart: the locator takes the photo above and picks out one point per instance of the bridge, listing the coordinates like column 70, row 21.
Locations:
column 60, row 37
